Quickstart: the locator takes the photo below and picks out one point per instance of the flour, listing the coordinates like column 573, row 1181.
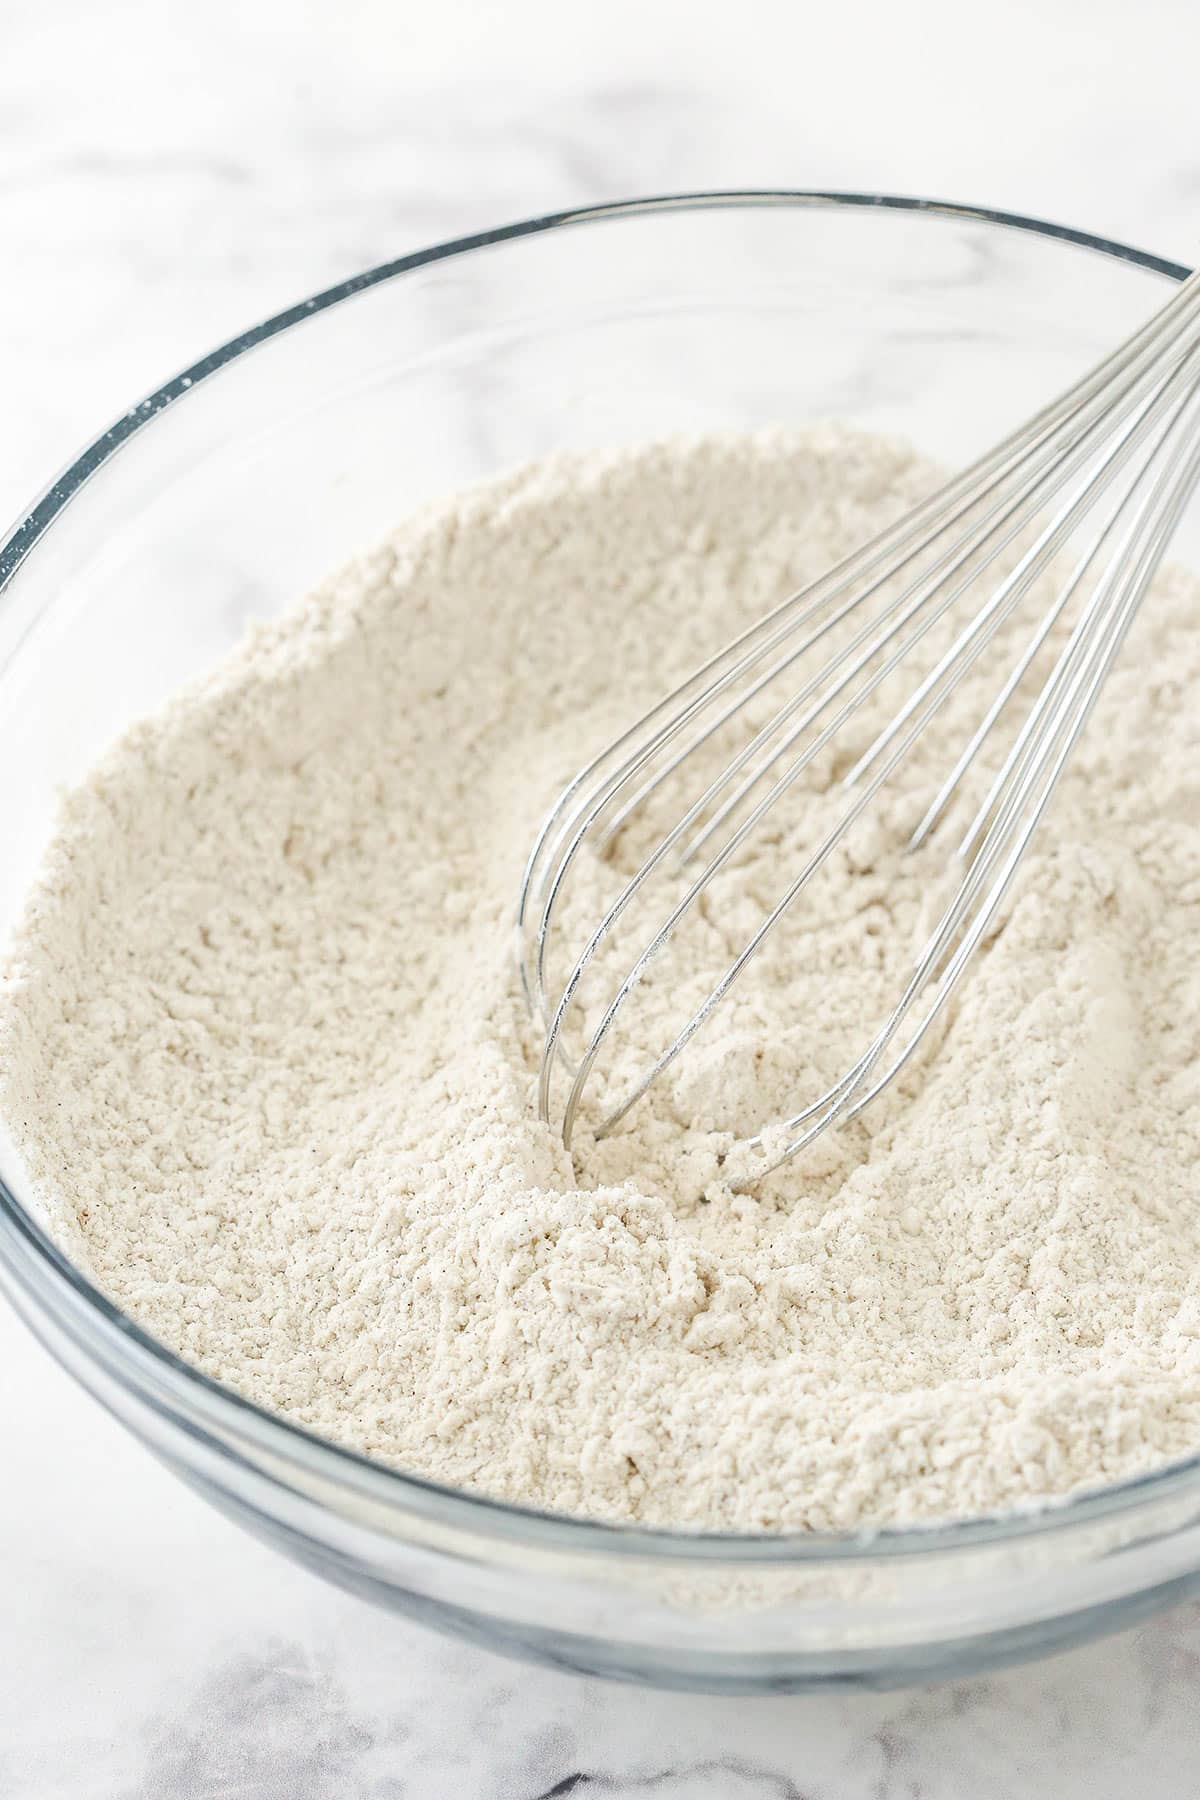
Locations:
column 267, row 1059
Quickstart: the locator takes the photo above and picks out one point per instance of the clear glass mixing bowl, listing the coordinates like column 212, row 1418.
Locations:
column 232, row 488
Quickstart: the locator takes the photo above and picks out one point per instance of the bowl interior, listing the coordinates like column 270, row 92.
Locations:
column 943, row 328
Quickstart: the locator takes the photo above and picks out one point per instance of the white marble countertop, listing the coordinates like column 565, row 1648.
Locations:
column 170, row 173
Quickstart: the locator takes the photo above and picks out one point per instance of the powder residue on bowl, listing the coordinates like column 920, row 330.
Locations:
column 269, row 1066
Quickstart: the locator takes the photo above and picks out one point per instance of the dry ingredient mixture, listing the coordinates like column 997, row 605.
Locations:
column 267, row 1059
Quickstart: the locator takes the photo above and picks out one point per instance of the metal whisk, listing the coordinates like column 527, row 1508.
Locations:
column 1120, row 453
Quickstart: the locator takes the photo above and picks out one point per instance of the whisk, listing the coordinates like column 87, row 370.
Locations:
column 1118, row 455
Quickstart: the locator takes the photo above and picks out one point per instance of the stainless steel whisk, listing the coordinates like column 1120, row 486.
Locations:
column 1119, row 451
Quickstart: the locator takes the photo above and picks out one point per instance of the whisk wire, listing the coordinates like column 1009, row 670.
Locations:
column 1079, row 454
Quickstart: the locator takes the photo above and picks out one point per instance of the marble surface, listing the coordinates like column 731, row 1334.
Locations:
column 169, row 173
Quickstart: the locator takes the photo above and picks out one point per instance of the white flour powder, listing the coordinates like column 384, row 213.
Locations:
column 266, row 1056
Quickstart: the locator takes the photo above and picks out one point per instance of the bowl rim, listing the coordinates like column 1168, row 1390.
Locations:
column 43, row 1271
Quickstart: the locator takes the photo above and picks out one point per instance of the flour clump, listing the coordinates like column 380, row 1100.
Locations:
column 267, row 1058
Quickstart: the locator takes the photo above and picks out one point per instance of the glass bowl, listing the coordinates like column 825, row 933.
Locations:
column 230, row 490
